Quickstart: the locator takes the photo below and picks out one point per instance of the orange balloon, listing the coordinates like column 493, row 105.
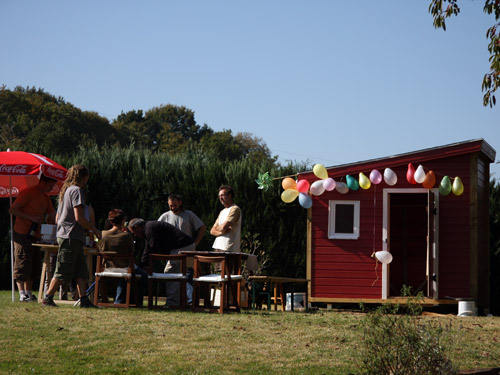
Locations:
column 429, row 180
column 289, row 183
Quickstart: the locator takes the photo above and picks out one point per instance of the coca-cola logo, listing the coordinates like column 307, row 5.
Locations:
column 7, row 192
column 13, row 169
column 57, row 173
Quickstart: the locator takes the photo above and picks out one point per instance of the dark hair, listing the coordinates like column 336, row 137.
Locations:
column 116, row 216
column 229, row 190
column 175, row 197
column 107, row 224
column 46, row 179
column 136, row 222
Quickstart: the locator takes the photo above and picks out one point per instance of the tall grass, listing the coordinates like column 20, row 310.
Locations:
column 139, row 182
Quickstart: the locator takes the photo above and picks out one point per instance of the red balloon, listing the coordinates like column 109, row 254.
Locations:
column 429, row 180
column 410, row 174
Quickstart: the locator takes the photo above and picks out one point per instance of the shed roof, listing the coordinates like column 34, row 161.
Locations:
column 453, row 149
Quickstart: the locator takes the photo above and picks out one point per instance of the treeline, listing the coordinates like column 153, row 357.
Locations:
column 31, row 119
column 138, row 159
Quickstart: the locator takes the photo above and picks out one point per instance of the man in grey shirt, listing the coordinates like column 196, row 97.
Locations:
column 190, row 224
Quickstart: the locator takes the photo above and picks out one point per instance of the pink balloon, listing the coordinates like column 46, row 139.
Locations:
column 303, row 186
column 329, row 184
column 375, row 177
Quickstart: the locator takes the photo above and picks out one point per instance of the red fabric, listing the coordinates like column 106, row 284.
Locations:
column 20, row 170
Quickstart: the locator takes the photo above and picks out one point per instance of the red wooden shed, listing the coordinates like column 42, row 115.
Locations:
column 439, row 243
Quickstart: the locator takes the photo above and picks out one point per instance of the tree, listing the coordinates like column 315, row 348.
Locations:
column 132, row 128
column 253, row 147
column 33, row 120
column 491, row 80
column 167, row 128
column 221, row 145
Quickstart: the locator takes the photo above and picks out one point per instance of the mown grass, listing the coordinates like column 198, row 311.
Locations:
column 69, row 340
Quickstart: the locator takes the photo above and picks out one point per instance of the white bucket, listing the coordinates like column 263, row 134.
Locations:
column 215, row 298
column 299, row 301
column 466, row 308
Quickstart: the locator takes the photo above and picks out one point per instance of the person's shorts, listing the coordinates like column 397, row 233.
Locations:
column 71, row 263
column 27, row 263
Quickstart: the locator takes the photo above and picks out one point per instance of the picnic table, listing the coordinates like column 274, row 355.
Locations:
column 52, row 249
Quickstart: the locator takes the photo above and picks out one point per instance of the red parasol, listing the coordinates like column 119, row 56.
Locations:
column 20, row 170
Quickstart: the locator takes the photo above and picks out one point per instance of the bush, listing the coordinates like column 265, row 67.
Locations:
column 397, row 342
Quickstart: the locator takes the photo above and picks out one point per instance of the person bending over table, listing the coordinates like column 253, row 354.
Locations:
column 162, row 238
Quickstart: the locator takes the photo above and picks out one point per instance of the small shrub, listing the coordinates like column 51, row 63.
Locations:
column 397, row 342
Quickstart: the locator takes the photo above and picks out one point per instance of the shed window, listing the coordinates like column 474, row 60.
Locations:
column 343, row 220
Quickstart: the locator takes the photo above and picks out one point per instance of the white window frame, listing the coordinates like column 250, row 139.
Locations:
column 331, row 220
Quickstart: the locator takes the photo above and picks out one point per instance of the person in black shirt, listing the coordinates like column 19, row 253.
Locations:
column 162, row 238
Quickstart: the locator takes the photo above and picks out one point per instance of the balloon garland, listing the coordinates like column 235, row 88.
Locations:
column 304, row 190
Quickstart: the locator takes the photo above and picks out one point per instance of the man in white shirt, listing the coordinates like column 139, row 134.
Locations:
column 227, row 227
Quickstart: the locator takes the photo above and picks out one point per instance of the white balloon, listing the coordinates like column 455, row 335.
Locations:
column 419, row 175
column 390, row 177
column 317, row 187
column 342, row 187
column 384, row 257
column 329, row 184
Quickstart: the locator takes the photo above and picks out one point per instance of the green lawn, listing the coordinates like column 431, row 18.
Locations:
column 69, row 340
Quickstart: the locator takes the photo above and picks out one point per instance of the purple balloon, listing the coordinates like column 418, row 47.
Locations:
column 375, row 177
column 329, row 184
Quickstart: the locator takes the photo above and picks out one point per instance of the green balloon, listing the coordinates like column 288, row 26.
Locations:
column 352, row 182
column 445, row 186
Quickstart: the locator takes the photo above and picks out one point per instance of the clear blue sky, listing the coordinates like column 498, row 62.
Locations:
column 326, row 81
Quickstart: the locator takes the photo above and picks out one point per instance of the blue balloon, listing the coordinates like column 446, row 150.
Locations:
column 305, row 200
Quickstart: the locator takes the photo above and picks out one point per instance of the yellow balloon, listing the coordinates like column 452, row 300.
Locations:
column 289, row 183
column 289, row 195
column 364, row 181
column 457, row 187
column 320, row 171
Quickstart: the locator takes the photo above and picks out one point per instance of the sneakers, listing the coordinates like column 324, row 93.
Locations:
column 48, row 301
column 27, row 298
column 86, row 304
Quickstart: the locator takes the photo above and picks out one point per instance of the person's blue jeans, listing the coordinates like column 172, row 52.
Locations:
column 121, row 288
column 189, row 285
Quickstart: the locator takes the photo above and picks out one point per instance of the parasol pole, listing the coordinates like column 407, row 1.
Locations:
column 11, row 243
